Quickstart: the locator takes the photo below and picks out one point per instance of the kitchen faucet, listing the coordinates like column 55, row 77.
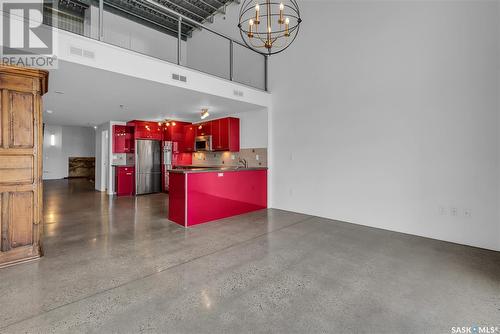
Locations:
column 244, row 162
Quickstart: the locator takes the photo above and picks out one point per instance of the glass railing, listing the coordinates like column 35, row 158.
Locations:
column 157, row 31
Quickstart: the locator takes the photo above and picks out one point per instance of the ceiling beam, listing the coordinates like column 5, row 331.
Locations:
column 182, row 8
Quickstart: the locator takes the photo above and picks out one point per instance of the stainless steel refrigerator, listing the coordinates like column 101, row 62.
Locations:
column 148, row 166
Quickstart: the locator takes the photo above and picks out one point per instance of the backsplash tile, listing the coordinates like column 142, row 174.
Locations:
column 226, row 158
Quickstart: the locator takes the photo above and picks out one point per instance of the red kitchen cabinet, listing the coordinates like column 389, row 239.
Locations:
column 226, row 134
column 147, row 130
column 189, row 134
column 125, row 181
column 216, row 144
column 123, row 139
column 204, row 129
column 174, row 131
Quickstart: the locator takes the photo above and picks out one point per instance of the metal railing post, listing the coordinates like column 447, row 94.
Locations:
column 231, row 54
column 266, row 75
column 101, row 20
column 179, row 41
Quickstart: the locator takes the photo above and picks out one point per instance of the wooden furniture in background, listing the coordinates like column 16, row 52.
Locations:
column 21, row 138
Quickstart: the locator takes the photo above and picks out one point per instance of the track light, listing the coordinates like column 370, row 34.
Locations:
column 204, row 113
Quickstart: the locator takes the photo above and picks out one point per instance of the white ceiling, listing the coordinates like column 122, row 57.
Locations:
column 85, row 96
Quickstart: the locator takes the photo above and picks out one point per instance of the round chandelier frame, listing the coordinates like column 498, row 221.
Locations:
column 269, row 26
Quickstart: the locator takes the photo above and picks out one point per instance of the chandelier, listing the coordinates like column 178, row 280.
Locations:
column 269, row 27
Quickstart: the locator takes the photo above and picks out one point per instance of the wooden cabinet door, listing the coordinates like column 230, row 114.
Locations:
column 20, row 163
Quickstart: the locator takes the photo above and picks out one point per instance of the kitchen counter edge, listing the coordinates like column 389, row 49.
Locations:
column 213, row 170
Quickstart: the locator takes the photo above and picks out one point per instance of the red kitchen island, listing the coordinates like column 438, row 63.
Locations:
column 198, row 196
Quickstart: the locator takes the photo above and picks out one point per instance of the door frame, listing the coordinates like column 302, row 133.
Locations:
column 104, row 159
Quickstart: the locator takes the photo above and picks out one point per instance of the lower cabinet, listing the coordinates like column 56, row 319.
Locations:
column 125, row 181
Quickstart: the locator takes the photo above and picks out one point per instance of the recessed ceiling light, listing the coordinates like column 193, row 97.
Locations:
column 59, row 92
column 49, row 111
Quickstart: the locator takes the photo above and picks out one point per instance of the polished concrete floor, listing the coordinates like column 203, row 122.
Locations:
column 117, row 265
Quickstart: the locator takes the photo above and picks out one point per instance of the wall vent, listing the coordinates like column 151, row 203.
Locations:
column 179, row 77
column 81, row 52
column 238, row 93
column 88, row 54
column 75, row 51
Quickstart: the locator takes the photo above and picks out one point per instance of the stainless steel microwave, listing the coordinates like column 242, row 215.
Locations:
column 203, row 143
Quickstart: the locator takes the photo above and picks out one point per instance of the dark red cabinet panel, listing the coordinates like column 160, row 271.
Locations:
column 147, row 130
column 189, row 134
column 125, row 181
column 123, row 139
column 226, row 134
column 234, row 134
column 204, row 129
column 216, row 144
column 174, row 132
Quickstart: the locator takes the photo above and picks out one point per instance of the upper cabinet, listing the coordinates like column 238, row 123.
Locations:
column 174, row 132
column 123, row 139
column 189, row 134
column 204, row 129
column 226, row 134
column 147, row 130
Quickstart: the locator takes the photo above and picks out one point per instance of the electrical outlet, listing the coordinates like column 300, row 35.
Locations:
column 468, row 213
column 257, row 157
column 233, row 157
column 453, row 211
column 442, row 211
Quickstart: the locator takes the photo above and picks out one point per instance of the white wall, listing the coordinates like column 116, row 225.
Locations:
column 386, row 114
column 99, row 166
column 70, row 141
column 253, row 129
column 98, row 157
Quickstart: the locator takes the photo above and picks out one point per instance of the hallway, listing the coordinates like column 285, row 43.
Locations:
column 117, row 265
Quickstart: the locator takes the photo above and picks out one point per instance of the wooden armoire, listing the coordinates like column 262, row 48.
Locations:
column 21, row 140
